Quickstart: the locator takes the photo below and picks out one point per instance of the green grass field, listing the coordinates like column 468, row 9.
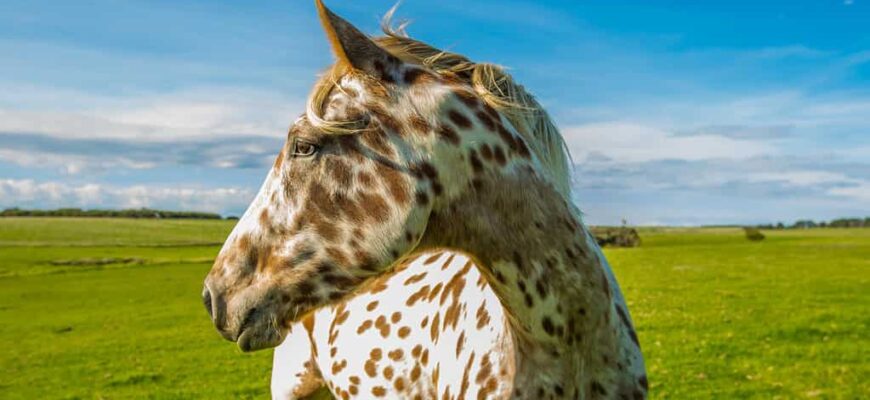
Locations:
column 99, row 308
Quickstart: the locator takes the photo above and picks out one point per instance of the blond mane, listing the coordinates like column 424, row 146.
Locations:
column 491, row 82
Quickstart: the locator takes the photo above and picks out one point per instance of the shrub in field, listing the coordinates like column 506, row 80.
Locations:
column 616, row 237
column 753, row 234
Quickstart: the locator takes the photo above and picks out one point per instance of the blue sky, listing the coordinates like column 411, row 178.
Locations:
column 676, row 112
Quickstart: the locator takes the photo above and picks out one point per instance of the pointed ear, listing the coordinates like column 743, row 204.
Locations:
column 354, row 48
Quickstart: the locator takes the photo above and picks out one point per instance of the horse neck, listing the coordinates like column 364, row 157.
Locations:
column 537, row 255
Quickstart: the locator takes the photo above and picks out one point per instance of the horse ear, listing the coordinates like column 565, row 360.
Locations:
column 354, row 48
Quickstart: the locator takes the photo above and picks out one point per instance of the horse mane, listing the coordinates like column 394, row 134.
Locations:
column 490, row 81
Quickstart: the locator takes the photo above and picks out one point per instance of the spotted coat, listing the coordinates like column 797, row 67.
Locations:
column 396, row 165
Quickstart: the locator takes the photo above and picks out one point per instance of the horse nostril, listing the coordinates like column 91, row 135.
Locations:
column 206, row 300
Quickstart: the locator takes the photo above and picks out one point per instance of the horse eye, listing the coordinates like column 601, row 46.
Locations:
column 303, row 149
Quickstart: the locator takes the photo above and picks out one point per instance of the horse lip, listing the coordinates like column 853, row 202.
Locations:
column 228, row 335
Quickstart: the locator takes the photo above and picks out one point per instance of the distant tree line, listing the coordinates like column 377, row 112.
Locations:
column 131, row 213
column 808, row 224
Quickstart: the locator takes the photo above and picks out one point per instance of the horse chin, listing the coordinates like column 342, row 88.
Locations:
column 259, row 337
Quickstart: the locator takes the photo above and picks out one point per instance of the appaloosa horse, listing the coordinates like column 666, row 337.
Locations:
column 415, row 238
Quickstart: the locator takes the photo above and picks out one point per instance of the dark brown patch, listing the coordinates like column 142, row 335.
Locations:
column 364, row 327
column 467, row 98
column 547, row 324
column 341, row 173
column 476, row 164
column 500, row 157
column 396, row 183
column 486, row 152
column 486, row 120
column 385, row 119
column 413, row 76
column 374, row 206
column 404, row 332
column 459, row 119
column 448, row 133
column 422, row 198
column 419, row 124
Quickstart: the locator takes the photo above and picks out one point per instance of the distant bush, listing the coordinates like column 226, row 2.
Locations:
column 616, row 237
column 753, row 234
column 131, row 213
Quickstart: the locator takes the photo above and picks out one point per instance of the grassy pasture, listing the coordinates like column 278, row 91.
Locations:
column 101, row 308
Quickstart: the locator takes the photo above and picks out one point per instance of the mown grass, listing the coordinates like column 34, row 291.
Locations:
column 718, row 316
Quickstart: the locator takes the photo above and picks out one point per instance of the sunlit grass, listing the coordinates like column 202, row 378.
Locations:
column 718, row 316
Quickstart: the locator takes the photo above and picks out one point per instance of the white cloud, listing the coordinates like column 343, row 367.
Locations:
column 860, row 191
column 801, row 178
column 28, row 193
column 191, row 113
column 628, row 142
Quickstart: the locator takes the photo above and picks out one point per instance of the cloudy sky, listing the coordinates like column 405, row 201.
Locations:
column 676, row 112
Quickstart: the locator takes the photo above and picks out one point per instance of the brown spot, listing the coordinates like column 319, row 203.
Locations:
column 264, row 217
column 364, row 327
column 431, row 259
column 371, row 306
column 382, row 325
column 500, row 157
column 396, row 317
column 399, row 384
column 434, row 329
column 415, row 373
column 404, row 332
column 491, row 112
column 422, row 198
column 486, row 152
column 460, row 343
column 371, row 368
column 449, row 134
column 364, row 178
column 354, row 380
column 374, row 206
column 415, row 76
column 395, row 181
column 465, row 381
column 419, row 124
column 341, row 173
column 482, row 316
column 338, row 366
column 476, row 164
column 415, row 352
column 547, row 324
column 396, row 354
column 434, row 292
column 415, row 278
column 388, row 372
column 459, row 119
column 418, row 295
column 486, row 120
column 379, row 391
column 467, row 98
column 387, row 122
